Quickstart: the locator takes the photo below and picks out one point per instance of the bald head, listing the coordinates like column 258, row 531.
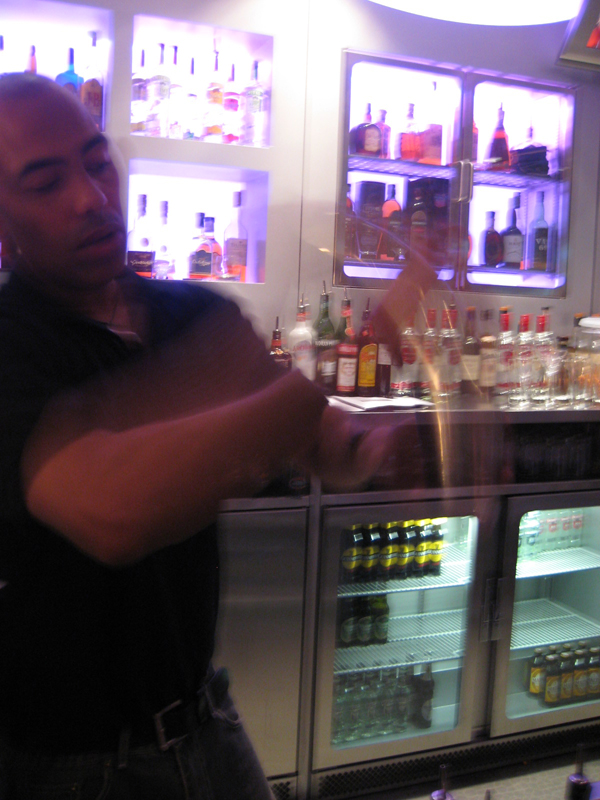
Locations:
column 59, row 189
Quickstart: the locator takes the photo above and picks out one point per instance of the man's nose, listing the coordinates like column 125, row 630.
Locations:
column 88, row 194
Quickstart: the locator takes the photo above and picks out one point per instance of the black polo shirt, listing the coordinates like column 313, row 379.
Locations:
column 85, row 649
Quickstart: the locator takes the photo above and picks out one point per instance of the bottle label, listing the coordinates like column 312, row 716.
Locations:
column 540, row 248
column 370, row 558
column 435, row 553
column 352, row 560
column 388, row 556
column 384, row 354
column 470, row 367
column 487, row 369
column 513, row 248
column 367, row 366
column 236, row 252
column 303, row 357
column 593, row 680
column 346, row 373
column 140, row 261
column 348, row 630
column 566, row 686
column 536, row 680
column 421, row 554
column 552, row 689
column 580, row 681
column 382, row 622
column 201, row 263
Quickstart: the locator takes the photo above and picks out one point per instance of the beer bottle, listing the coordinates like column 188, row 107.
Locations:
column 423, row 697
column 421, row 549
column 367, row 356
column 347, row 622
column 371, row 551
column 552, row 681
column 365, row 622
column 536, row 672
column 352, row 554
column 593, row 676
column 411, row 544
column 390, row 551
column 566, row 677
column 436, row 546
column 381, row 618
column 403, row 552
column 580, row 675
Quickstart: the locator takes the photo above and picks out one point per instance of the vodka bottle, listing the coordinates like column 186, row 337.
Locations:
column 158, row 88
column 505, row 365
column 451, row 355
column 164, row 261
column 213, row 116
column 255, row 112
column 405, row 377
column 471, row 358
column 139, row 97
column 545, row 359
column 521, row 393
column 231, row 110
column 429, row 359
column 177, row 98
column 488, row 359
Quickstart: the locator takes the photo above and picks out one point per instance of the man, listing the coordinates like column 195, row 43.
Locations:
column 131, row 409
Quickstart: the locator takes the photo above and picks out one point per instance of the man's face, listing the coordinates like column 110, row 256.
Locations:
column 59, row 193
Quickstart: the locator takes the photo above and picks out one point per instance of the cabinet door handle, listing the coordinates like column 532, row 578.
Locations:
column 498, row 616
column 487, row 610
column 465, row 182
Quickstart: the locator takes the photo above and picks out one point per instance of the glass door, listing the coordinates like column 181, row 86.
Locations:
column 395, row 623
column 400, row 144
column 548, row 656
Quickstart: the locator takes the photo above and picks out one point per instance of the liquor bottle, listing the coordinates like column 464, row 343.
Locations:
column 408, row 146
column 350, row 250
column 450, row 355
column 92, row 88
column 164, row 260
column 383, row 375
column 177, row 97
column 385, row 134
column 429, row 359
column 405, row 376
column 367, row 356
column 492, row 242
column 31, row 61
column 325, row 346
column 370, row 200
column 366, row 138
column 471, row 358
column 140, row 255
column 498, row 154
column 235, row 244
column 193, row 117
column 505, row 364
column 423, row 687
column 537, row 244
column 216, row 251
column 231, row 110
column 391, row 247
column 254, row 113
column 347, row 351
column 213, row 116
column 278, row 352
column 417, row 224
column 200, row 260
column 512, row 238
column 139, row 97
column 301, row 341
column 158, row 88
column 521, row 394
column 488, row 358
column 431, row 135
column 69, row 78
column 545, row 362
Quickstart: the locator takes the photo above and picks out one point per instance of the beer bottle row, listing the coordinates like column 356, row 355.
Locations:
column 381, row 702
column 362, row 621
column 562, row 675
column 390, row 550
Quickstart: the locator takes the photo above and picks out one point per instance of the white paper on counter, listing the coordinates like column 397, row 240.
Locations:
column 377, row 403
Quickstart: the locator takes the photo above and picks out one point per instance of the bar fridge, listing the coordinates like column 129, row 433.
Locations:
column 547, row 653
column 398, row 617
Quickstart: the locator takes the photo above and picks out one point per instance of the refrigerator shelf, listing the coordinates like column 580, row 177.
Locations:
column 455, row 571
column 537, row 623
column 414, row 639
column 387, row 166
column 557, row 562
column 512, row 180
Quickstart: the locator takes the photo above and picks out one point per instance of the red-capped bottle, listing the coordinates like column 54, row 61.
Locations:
column 367, row 356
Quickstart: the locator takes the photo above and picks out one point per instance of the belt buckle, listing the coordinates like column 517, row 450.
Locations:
column 163, row 742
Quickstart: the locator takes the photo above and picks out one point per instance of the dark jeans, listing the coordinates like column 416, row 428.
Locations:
column 216, row 762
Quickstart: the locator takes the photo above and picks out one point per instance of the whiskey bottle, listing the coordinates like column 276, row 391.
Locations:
column 200, row 260
column 231, row 110
column 92, row 88
column 408, row 146
column 385, row 134
column 216, row 251
column 537, row 246
column 365, row 139
column 349, row 227
column 512, row 238
column 391, row 247
column 140, row 256
column 235, row 244
column 492, row 242
column 418, row 224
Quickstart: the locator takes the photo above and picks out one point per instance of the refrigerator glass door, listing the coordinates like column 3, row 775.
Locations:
column 548, row 662
column 395, row 624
